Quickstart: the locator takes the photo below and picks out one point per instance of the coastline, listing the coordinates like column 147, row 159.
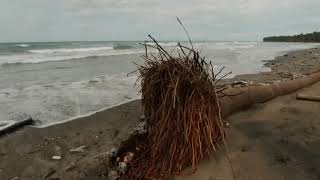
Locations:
column 278, row 72
column 101, row 131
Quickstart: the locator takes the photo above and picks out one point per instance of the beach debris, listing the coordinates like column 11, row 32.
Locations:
column 15, row 125
column 140, row 128
column 78, row 149
column 226, row 124
column 307, row 97
column 122, row 168
column 128, row 157
column 251, row 83
column 70, row 167
column 50, row 172
column 15, row 178
column 113, row 152
column 113, row 175
column 263, row 84
column 180, row 97
column 2, row 152
column 240, row 83
column 56, row 157
column 289, row 75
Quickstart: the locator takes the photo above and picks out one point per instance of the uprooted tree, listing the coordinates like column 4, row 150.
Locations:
column 180, row 97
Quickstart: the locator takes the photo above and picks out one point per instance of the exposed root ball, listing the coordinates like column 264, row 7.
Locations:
column 182, row 113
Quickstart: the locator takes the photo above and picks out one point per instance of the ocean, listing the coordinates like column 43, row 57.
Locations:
column 55, row 81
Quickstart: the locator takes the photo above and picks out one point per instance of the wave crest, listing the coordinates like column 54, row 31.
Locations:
column 23, row 45
column 71, row 50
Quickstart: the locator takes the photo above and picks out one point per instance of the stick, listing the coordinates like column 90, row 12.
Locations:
column 16, row 126
column 307, row 97
column 185, row 30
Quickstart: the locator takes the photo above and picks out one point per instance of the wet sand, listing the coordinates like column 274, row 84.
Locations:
column 278, row 139
column 28, row 153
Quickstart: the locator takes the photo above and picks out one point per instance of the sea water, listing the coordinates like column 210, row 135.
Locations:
column 55, row 81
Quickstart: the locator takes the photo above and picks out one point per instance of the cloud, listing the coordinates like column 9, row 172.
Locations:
column 132, row 19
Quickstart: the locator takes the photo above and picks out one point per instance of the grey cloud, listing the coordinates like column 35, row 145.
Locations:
column 132, row 19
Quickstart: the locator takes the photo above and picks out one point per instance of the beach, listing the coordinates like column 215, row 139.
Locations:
column 278, row 139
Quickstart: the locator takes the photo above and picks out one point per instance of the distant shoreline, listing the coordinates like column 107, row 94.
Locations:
column 304, row 38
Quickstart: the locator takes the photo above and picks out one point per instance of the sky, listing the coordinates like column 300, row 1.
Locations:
column 120, row 20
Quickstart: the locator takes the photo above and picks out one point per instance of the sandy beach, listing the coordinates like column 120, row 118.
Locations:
column 278, row 139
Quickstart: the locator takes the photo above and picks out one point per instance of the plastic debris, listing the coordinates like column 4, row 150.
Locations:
column 56, row 157
column 78, row 149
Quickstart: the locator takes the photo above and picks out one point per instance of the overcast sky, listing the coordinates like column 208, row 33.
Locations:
column 67, row 20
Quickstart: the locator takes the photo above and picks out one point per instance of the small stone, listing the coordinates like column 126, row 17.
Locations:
column 226, row 124
column 113, row 152
column 244, row 148
column 113, row 175
column 56, row 157
column 2, row 152
column 15, row 178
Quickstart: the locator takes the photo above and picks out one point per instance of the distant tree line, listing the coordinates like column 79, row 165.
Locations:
column 309, row 37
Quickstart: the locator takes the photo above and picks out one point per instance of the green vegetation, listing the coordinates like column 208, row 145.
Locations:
column 309, row 37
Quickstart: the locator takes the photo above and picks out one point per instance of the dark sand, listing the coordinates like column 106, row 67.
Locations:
column 28, row 153
column 275, row 140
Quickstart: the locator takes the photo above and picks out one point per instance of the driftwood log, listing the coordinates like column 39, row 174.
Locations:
column 307, row 97
column 14, row 126
column 250, row 95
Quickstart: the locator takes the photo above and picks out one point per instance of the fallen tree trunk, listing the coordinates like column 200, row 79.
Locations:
column 250, row 95
column 307, row 97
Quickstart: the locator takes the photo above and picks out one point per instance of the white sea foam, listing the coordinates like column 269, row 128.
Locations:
column 164, row 44
column 70, row 50
column 23, row 45
column 48, row 104
column 39, row 56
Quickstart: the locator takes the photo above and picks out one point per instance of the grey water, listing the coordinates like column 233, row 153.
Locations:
column 55, row 81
